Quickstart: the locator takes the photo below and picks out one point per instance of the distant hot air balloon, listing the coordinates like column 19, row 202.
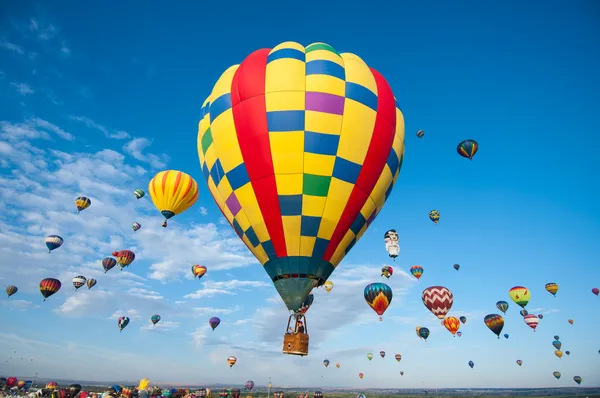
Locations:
column 531, row 321
column 122, row 322
column 558, row 353
column 552, row 288
column 495, row 323
column 502, row 306
column 108, row 263
column 135, row 226
column 337, row 365
column 506, row 336
column 571, row 321
column 420, row 133
column 49, row 286
column 452, row 324
column 155, row 319
column 139, row 193
column 556, row 374
column 456, row 267
column 423, row 333
column 577, row 379
column 379, row 297
column 53, row 242
column 328, row 285
column 417, row 330
column 523, row 312
column 541, row 316
column 360, row 375
column 438, row 300
column 387, row 271
column 401, row 373
column 369, row 356
column 231, row 361
column 91, row 283
column 382, row 354
column 10, row 290
column 74, row 389
column 392, row 243
column 471, row 364
column 568, row 352
column 82, row 203
column 124, row 258
column 326, row 362
column 556, row 337
column 20, row 384
column 398, row 357
column 416, row 271
column 520, row 295
column 249, row 385
column 198, row 271
column 596, row 291
column 519, row 362
column 557, row 344
column 79, row 281
column 52, row 385
column 214, row 322
column 467, row 148
column 434, row 216
column 173, row 192
column 463, row 319
column 306, row 304
column 459, row 333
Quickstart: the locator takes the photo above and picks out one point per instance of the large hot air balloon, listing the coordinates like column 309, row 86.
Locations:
column 495, row 323
column 369, row 355
column 124, row 258
column 82, row 203
column 502, row 306
column 577, row 379
column 173, row 192
column 531, row 320
column 155, row 319
column 328, row 286
column 79, row 281
column 392, row 243
column 214, row 322
column 379, row 297
column 452, row 324
column 108, row 263
column 231, row 361
column 53, row 242
column 467, row 149
column 298, row 186
column 249, row 385
column 520, row 295
column 463, row 319
column 398, row 357
column 438, row 300
column 139, row 193
column 423, row 333
column 10, row 290
column 49, row 286
column 416, row 271
column 198, row 271
column 91, row 283
column 326, row 362
column 556, row 374
column 387, row 271
column 552, row 288
column 122, row 322
column 434, row 216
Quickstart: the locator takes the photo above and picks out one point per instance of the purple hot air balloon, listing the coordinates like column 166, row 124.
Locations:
column 214, row 322
column 249, row 385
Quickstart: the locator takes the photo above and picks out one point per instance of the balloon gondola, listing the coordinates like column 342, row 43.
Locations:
column 295, row 340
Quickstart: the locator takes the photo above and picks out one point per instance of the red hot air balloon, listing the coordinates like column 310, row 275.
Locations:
column 531, row 320
column 438, row 300
column 596, row 291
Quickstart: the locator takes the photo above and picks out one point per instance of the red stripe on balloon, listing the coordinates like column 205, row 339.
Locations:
column 377, row 156
column 250, row 118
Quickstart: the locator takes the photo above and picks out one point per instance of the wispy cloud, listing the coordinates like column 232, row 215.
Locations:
column 119, row 135
column 4, row 43
column 229, row 287
column 136, row 148
column 23, row 88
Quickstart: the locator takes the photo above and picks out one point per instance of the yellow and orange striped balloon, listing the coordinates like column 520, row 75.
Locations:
column 173, row 192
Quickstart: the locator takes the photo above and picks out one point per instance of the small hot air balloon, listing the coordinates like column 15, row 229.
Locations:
column 52, row 385
column 417, row 330
column 122, row 322
column 456, row 267
column 423, row 333
column 20, row 384
column 124, row 258
column 392, row 243
column 434, row 216
column 139, row 193
column 520, row 295
column 53, row 242
column 82, row 203
column 557, row 344
column 369, row 356
column 91, row 283
column 173, row 192
column 552, row 288
column 214, row 322
column 568, row 352
column 49, row 286
column 467, row 148
column 337, row 365
column 452, row 324
column 135, row 226
column 79, row 281
column 420, row 133
column 506, row 336
column 556, row 337
column 502, row 306
column 556, row 374
column 416, row 271
column 328, row 285
column 398, row 357
column 596, row 291
column 463, row 319
column 531, row 321
column 198, row 271
column 471, row 364
column 495, row 323
column 249, row 385
column 571, row 321
column 523, row 312
column 379, row 297
column 387, row 271
column 360, row 375
column 558, row 353
column 541, row 316
column 459, row 333
column 10, row 290
column 382, row 354
column 438, row 300
column 108, row 263
column 577, row 379
column 519, row 362
column 401, row 373
column 155, row 319
column 326, row 362
column 231, row 361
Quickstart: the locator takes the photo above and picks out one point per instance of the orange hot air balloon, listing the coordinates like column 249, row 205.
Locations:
column 571, row 321
column 231, row 361
column 452, row 324
column 337, row 365
column 198, row 271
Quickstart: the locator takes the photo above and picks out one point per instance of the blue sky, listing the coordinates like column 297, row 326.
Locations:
column 95, row 99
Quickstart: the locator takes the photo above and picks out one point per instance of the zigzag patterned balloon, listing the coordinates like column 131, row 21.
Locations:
column 438, row 300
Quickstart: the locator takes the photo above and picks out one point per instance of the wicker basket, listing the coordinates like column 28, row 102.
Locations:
column 296, row 343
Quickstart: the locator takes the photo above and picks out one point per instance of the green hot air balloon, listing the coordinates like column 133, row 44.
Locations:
column 557, row 375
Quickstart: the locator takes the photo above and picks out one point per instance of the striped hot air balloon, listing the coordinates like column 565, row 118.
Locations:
column 438, row 300
column 82, row 203
column 49, row 286
column 91, row 283
column 108, row 263
column 552, row 288
column 231, row 361
column 10, row 290
column 173, row 192
column 124, row 257
column 53, row 242
column 452, row 323
column 122, row 322
column 495, row 323
column 416, row 271
column 198, row 271
column 79, row 281
column 467, row 148
column 531, row 320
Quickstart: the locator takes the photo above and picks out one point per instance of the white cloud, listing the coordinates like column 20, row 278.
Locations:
column 212, row 289
column 136, row 148
column 207, row 293
column 119, row 135
column 203, row 210
column 161, row 326
column 23, row 88
column 16, row 304
column 4, row 43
